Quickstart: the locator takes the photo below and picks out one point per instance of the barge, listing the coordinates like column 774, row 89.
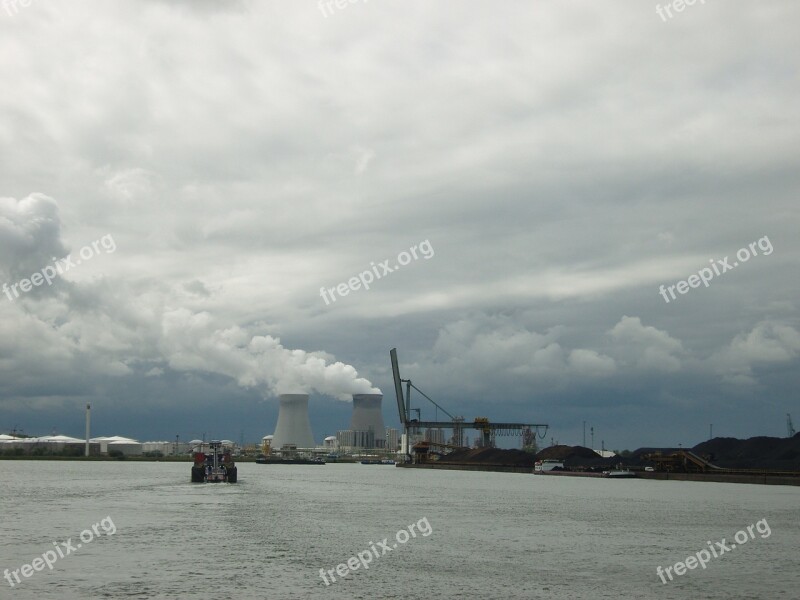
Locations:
column 295, row 460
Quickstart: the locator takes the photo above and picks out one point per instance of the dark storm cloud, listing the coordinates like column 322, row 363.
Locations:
column 564, row 160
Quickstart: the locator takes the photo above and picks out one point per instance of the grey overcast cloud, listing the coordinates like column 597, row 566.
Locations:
column 609, row 197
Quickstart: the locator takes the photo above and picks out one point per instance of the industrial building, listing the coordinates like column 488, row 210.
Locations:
column 392, row 439
column 60, row 443
column 56, row 444
column 126, row 446
column 435, row 435
column 348, row 440
column 48, row 443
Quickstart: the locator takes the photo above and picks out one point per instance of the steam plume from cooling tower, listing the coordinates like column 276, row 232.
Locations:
column 193, row 342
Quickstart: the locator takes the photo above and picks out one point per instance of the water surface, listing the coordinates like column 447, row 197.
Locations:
column 494, row 535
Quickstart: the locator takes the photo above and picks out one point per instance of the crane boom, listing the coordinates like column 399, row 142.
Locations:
column 398, row 388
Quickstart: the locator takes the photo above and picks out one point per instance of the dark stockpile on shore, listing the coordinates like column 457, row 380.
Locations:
column 571, row 455
column 566, row 453
column 777, row 454
column 579, row 457
column 491, row 457
column 754, row 453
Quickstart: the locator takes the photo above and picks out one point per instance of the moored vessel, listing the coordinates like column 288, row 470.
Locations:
column 294, row 460
column 619, row 474
column 548, row 464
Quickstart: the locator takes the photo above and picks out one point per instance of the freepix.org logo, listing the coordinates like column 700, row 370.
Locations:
column 365, row 558
column 676, row 5
column 62, row 550
column 12, row 6
column 383, row 268
column 59, row 267
column 717, row 549
column 717, row 268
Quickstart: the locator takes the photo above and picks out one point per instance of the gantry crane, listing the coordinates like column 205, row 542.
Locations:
column 457, row 424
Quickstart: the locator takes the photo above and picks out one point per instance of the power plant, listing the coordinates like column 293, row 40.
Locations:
column 293, row 425
column 367, row 430
column 367, row 421
column 294, row 428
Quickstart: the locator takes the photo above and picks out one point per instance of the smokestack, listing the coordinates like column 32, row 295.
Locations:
column 88, row 422
column 367, row 416
column 293, row 425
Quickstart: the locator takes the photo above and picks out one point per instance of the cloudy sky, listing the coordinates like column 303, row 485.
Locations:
column 557, row 161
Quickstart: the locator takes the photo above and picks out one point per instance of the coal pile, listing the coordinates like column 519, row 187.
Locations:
column 566, row 453
column 753, row 453
column 781, row 454
column 518, row 458
column 778, row 454
column 490, row 456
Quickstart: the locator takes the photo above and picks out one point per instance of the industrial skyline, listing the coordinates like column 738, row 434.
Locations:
column 561, row 177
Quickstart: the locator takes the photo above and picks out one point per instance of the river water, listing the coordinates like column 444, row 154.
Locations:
column 474, row 535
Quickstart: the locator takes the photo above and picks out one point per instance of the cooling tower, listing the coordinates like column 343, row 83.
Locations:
column 367, row 416
column 293, row 425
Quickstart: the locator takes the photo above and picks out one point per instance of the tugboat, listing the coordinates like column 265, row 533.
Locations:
column 216, row 466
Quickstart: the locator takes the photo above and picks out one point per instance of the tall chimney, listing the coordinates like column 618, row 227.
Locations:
column 88, row 422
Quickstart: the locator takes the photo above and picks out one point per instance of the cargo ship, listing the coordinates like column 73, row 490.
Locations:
column 214, row 466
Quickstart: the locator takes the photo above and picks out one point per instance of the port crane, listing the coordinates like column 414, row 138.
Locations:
column 487, row 429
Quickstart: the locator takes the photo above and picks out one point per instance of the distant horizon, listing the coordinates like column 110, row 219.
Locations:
column 556, row 212
column 542, row 443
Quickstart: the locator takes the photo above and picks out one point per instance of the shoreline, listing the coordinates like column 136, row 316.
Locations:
column 180, row 459
column 761, row 478
column 177, row 459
